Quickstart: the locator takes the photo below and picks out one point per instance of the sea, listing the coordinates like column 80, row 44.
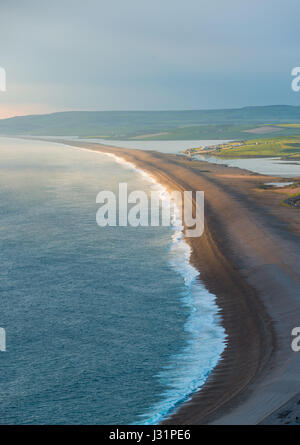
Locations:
column 104, row 325
column 273, row 166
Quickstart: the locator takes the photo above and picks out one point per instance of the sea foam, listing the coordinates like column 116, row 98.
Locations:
column 188, row 370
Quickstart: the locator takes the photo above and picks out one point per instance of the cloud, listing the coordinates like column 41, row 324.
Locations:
column 148, row 55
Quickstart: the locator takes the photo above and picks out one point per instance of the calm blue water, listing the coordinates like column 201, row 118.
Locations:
column 263, row 166
column 104, row 325
column 162, row 146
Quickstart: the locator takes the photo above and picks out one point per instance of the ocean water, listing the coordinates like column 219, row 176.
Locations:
column 161, row 146
column 104, row 325
column 263, row 166
column 279, row 184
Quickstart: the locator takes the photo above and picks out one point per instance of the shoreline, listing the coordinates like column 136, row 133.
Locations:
column 239, row 267
column 194, row 282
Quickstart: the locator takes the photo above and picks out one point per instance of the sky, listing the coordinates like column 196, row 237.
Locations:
column 147, row 55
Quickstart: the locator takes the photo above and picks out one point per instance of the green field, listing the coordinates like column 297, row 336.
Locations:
column 224, row 131
column 288, row 147
column 239, row 123
column 289, row 125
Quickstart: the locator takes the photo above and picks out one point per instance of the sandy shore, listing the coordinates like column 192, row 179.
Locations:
column 249, row 258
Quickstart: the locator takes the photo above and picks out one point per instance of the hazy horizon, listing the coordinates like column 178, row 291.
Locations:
column 148, row 111
column 197, row 55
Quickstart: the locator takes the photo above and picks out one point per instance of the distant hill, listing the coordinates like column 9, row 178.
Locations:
column 172, row 124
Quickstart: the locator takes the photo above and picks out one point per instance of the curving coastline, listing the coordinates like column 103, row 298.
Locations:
column 188, row 362
column 248, row 258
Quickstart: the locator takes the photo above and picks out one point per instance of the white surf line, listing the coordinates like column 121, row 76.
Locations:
column 190, row 273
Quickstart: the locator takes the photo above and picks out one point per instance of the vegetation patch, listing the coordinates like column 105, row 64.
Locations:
column 264, row 147
column 293, row 201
